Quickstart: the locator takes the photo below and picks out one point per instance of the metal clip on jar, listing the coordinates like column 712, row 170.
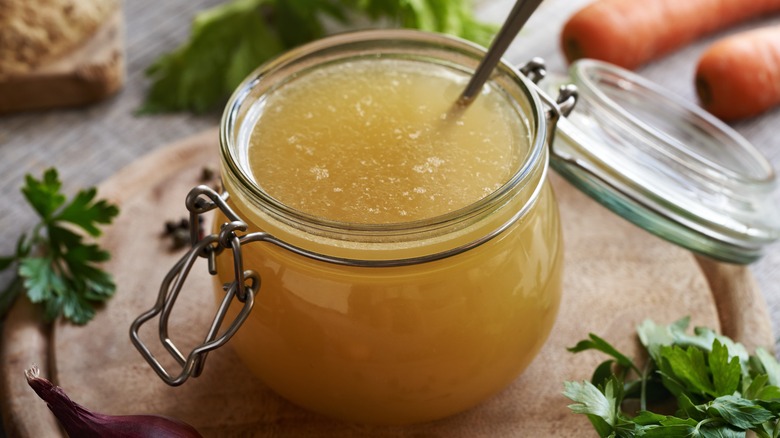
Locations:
column 410, row 321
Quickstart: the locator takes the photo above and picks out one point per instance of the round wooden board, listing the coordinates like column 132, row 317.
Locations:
column 616, row 276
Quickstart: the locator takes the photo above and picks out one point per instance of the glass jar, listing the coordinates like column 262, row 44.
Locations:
column 405, row 321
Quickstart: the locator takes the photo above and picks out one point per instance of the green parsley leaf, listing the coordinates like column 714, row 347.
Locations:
column 655, row 425
column 714, row 430
column 230, row 40
column 596, row 343
column 770, row 365
column 603, row 372
column 688, row 366
column 692, row 411
column 58, row 268
column 739, row 412
column 44, row 195
column 719, row 390
column 767, row 393
column 654, row 336
column 645, row 418
column 601, row 408
column 40, row 279
column 590, row 400
column 5, row 262
column 725, row 370
column 756, row 386
column 85, row 213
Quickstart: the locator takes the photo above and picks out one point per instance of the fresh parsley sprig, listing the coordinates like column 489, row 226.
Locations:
column 228, row 41
column 718, row 389
column 55, row 265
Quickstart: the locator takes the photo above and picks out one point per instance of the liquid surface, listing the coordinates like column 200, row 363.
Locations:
column 381, row 141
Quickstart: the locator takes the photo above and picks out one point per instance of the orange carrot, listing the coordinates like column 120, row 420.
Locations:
column 739, row 76
column 630, row 33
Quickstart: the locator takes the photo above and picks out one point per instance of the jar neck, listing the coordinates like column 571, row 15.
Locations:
column 437, row 236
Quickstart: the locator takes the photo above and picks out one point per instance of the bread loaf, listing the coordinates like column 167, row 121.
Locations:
column 33, row 32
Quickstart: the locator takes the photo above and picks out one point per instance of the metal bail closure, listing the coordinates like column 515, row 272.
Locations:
column 562, row 106
column 666, row 165
column 201, row 199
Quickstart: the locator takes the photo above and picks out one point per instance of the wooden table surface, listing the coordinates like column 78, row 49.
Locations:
column 90, row 144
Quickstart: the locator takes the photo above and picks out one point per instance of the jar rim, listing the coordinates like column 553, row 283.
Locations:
column 535, row 158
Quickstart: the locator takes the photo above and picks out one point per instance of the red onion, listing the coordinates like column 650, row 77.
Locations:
column 80, row 422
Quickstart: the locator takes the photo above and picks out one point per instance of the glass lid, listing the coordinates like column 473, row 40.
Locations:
column 666, row 165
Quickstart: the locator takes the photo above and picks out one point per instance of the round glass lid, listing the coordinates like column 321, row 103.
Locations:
column 666, row 165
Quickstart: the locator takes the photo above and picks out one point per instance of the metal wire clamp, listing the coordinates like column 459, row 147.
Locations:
column 200, row 200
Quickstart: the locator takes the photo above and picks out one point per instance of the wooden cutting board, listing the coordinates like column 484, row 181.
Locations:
column 616, row 276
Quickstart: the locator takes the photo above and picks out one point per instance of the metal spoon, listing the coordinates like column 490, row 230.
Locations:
column 514, row 22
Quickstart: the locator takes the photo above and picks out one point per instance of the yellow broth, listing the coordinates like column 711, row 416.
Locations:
column 375, row 142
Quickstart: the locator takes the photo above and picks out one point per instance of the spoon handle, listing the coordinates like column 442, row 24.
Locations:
column 514, row 22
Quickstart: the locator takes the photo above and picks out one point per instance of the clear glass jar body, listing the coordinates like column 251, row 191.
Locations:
column 404, row 322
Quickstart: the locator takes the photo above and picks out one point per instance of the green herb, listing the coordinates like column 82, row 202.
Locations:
column 54, row 263
column 229, row 41
column 717, row 389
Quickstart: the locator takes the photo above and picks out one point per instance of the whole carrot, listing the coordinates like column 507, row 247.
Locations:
column 630, row 33
column 739, row 76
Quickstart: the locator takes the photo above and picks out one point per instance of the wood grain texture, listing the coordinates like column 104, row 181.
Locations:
column 609, row 263
column 733, row 286
column 92, row 72
column 26, row 344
